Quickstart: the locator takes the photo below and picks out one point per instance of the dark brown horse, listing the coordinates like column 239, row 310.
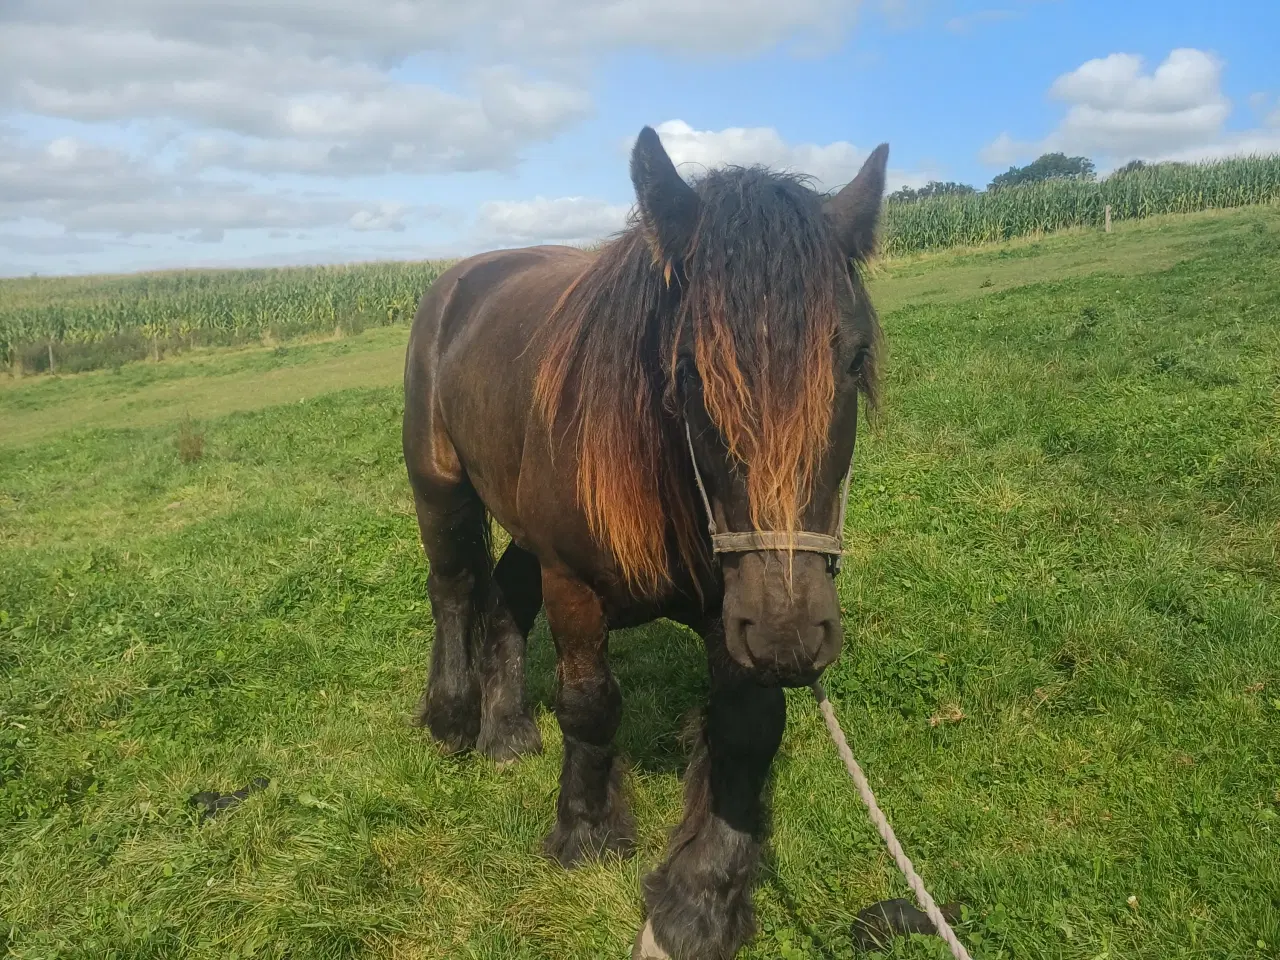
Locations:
column 581, row 399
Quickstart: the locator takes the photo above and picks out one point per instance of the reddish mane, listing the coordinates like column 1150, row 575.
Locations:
column 757, row 298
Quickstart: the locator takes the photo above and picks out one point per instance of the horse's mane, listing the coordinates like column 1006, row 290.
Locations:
column 757, row 299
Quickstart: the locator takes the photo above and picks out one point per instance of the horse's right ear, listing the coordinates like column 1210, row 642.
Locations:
column 668, row 205
column 854, row 212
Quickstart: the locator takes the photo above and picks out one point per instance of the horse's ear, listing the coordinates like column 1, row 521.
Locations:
column 668, row 205
column 855, row 210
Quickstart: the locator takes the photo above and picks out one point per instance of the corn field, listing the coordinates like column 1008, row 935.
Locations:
column 91, row 321
column 77, row 323
column 972, row 219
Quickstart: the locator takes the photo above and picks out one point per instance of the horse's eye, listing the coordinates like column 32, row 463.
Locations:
column 859, row 359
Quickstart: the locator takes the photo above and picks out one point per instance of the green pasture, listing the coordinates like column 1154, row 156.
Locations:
column 1061, row 673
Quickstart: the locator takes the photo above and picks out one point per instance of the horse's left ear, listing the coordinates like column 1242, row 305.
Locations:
column 668, row 204
column 855, row 211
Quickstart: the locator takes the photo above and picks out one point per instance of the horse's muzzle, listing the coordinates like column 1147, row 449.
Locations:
column 781, row 616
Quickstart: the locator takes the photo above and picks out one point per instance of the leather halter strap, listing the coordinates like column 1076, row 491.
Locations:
column 749, row 540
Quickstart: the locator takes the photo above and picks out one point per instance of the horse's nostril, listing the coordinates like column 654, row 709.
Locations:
column 830, row 630
column 829, row 642
column 817, row 639
column 737, row 631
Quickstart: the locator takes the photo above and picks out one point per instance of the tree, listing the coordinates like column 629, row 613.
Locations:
column 934, row 188
column 1133, row 166
column 1050, row 166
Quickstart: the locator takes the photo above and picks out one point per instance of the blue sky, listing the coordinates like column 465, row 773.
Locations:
column 138, row 134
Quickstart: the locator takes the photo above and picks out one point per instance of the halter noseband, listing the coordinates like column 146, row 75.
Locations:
column 749, row 540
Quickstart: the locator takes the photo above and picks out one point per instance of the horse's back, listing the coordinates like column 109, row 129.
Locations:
column 481, row 288
column 468, row 375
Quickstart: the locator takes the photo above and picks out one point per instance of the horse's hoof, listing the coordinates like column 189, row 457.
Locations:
column 506, row 741
column 572, row 846
column 645, row 947
column 453, row 722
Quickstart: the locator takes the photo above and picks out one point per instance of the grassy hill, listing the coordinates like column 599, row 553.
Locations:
column 1062, row 672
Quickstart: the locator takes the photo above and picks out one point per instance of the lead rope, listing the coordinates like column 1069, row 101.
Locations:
column 882, row 826
column 864, row 790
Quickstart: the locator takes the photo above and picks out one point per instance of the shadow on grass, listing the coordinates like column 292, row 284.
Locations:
column 662, row 671
column 827, row 945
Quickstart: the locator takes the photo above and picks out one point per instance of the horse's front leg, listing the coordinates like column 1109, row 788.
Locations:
column 699, row 899
column 591, row 813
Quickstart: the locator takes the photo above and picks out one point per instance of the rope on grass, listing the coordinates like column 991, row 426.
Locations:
column 882, row 825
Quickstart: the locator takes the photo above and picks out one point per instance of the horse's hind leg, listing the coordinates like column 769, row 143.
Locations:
column 454, row 529
column 507, row 729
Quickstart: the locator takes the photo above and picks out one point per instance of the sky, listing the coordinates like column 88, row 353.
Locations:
column 154, row 134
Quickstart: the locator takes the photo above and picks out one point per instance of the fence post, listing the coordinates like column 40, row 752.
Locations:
column 1108, row 218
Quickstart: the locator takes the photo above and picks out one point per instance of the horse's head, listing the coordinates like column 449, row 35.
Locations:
column 771, row 340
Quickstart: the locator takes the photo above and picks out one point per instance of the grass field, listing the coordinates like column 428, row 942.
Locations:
column 1062, row 673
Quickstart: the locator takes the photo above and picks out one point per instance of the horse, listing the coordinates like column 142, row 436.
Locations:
column 662, row 426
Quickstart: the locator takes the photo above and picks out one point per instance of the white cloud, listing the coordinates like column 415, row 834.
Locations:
column 84, row 187
column 224, row 92
column 1117, row 112
column 44, row 245
column 582, row 219
column 383, row 216
column 1004, row 150
column 318, row 70
column 266, row 110
column 542, row 220
column 386, row 31
column 1115, row 109
column 830, row 165
column 740, row 27
column 312, row 80
column 1263, row 141
column 1187, row 79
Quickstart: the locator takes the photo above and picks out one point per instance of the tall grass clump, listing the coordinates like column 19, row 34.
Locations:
column 190, row 441
column 1027, row 209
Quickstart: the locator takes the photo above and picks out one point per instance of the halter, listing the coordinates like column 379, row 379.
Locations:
column 749, row 540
